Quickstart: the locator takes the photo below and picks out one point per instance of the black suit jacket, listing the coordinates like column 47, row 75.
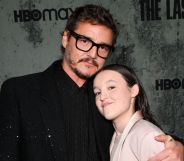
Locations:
column 31, row 125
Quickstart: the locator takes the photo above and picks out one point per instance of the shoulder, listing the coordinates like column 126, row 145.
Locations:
column 30, row 80
column 141, row 139
column 144, row 127
column 21, row 81
column 143, row 130
column 21, row 86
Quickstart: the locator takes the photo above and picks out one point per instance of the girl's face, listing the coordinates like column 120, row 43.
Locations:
column 114, row 98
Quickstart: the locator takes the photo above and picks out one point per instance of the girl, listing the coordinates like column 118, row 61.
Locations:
column 121, row 98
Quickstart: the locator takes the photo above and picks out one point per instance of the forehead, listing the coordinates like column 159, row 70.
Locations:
column 98, row 33
column 106, row 76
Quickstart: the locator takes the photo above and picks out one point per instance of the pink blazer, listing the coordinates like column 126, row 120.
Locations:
column 137, row 142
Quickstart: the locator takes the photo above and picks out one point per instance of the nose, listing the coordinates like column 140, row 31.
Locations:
column 93, row 52
column 103, row 96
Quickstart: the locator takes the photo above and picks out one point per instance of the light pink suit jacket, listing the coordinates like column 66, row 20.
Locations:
column 137, row 142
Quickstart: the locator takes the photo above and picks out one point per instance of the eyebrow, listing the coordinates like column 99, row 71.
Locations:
column 83, row 36
column 109, row 81
column 88, row 38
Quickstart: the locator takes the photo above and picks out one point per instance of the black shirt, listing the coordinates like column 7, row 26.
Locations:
column 80, row 137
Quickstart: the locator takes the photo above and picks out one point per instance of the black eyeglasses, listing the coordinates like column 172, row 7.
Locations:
column 86, row 44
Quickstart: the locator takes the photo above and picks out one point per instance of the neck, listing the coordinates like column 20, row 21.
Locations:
column 79, row 81
column 121, row 122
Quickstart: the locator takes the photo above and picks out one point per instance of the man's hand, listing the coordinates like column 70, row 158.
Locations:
column 174, row 150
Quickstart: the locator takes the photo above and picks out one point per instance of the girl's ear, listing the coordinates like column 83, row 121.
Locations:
column 134, row 90
column 64, row 39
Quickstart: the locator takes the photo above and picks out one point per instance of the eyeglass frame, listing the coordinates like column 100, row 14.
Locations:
column 78, row 36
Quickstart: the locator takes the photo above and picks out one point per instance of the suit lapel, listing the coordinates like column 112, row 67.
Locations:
column 51, row 113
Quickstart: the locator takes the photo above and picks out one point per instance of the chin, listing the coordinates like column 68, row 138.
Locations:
column 107, row 117
column 89, row 74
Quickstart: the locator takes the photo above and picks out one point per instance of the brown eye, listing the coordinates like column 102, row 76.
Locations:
column 104, row 47
column 84, row 41
column 111, row 87
column 97, row 93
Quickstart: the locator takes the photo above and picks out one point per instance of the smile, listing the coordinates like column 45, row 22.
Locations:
column 105, row 104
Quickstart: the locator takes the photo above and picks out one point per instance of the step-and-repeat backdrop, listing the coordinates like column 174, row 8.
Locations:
column 151, row 41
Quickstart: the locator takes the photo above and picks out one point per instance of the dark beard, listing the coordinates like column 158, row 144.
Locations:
column 77, row 72
column 80, row 75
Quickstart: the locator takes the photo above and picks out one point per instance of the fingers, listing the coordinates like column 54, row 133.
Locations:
column 174, row 150
column 161, row 138
column 166, row 155
column 167, row 140
column 162, row 156
column 168, row 159
column 170, row 139
column 170, row 142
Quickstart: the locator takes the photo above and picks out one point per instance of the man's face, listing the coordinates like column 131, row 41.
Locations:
column 80, row 63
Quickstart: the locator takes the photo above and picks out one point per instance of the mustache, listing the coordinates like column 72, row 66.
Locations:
column 89, row 60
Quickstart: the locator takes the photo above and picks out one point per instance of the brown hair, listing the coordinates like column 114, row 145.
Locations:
column 94, row 14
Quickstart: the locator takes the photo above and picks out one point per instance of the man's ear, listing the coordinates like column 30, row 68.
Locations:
column 134, row 90
column 64, row 39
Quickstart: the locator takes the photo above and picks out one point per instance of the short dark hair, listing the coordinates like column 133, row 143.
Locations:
column 94, row 14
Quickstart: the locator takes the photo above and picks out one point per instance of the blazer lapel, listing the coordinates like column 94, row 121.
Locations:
column 134, row 119
column 51, row 113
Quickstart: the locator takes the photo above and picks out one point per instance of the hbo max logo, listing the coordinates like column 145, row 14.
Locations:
column 46, row 14
column 166, row 84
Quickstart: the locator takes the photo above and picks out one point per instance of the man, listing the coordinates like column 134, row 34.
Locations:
column 51, row 116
